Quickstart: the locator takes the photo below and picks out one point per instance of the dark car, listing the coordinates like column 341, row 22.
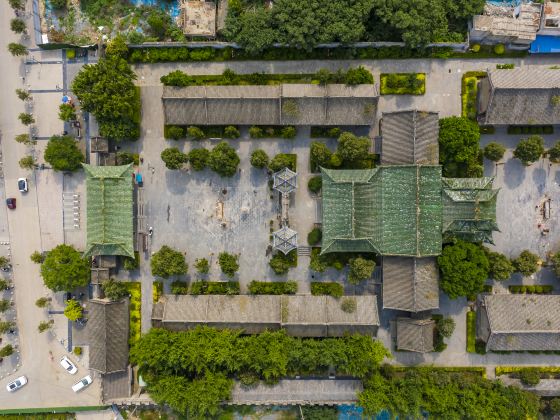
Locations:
column 11, row 203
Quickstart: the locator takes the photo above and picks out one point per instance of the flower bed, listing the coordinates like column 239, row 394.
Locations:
column 329, row 288
column 273, row 287
column 469, row 88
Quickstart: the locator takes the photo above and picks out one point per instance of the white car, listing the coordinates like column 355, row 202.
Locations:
column 68, row 366
column 17, row 384
column 82, row 383
column 22, row 185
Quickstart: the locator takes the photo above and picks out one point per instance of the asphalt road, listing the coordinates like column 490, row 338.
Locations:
column 49, row 385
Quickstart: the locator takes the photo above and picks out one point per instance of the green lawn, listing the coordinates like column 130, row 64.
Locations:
column 471, row 332
column 403, row 83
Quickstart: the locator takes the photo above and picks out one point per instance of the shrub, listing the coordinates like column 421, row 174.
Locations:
column 315, row 184
column 554, row 406
column 288, row 132
column 529, row 150
column 26, row 119
column 352, row 149
column 499, row 49
column 500, row 267
column 114, row 290
column 130, row 264
column 18, row 26
column 554, row 153
column 77, row 351
column 202, row 266
column 228, row 263
column 259, row 158
column 349, row 305
column 177, row 78
column 358, row 75
column 179, row 287
column 63, row 154
column 27, row 162
column 327, row 288
column 6, row 351
column 42, row 302
column 283, row 160
column 231, row 132
column 314, row 237
column 494, row 151
column 255, row 132
column 223, row 160
column 66, row 112
column 475, row 48
column 360, row 270
column 125, row 158
column 168, row 262
column 319, row 155
column 45, row 325
column 173, row 158
column 215, row 288
column 73, row 310
column 174, row 132
column 23, row 94
column 273, row 288
column 195, row 132
column 281, row 263
column 507, row 66
column 37, row 257
column 17, row 49
column 445, row 327
column 530, row 376
column 198, row 158
column 527, row 263
column 249, row 379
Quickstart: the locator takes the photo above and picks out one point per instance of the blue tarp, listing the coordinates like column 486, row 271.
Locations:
column 172, row 7
column 545, row 44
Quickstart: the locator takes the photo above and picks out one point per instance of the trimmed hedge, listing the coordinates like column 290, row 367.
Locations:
column 469, row 88
column 532, row 289
column 325, row 132
column 180, row 287
column 273, row 287
column 329, row 288
column 315, row 236
column 530, row 129
column 177, row 132
column 403, row 83
column 272, row 131
column 215, row 288
column 505, row 66
column 315, row 184
column 543, row 370
column 471, row 332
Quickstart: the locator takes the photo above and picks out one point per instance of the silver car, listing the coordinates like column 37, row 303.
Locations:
column 82, row 383
column 68, row 366
column 17, row 384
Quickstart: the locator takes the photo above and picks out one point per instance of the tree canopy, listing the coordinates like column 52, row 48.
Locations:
column 73, row 310
column 464, row 269
column 529, row 150
column 527, row 263
column 352, row 149
column 198, row 158
column 173, row 158
column 228, row 263
column 114, row 290
column 223, row 159
column 500, row 267
column 64, row 269
column 106, row 89
column 63, row 154
column 259, row 158
column 494, row 151
column 168, row 262
column 458, row 145
column 360, row 270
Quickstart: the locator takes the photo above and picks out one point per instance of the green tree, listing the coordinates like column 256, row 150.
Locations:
column 529, row 150
column 26, row 119
column 228, row 263
column 202, row 266
column 358, row 76
column 177, row 78
column 554, row 152
column 5, row 326
column 114, row 290
column 256, row 31
column 17, row 4
column 231, row 132
column 446, row 326
column 5, row 304
column 464, row 269
column 199, row 158
column 315, row 184
column 17, row 49
column 352, row 149
column 458, row 143
column 117, row 47
column 126, row 158
column 360, row 269
column 494, row 151
column 6, row 351
column 527, row 263
column 259, row 158
column 37, row 257
column 64, row 269
column 281, row 161
column 25, row 139
column 66, row 112
column 45, row 325
column 27, row 162
column 530, row 376
column 58, row 4
column 168, row 262
column 314, row 237
column 42, row 302
column 255, row 132
column 223, row 159
column 4, row 262
column 174, row 158
column 320, row 154
column 556, row 263
column 288, row 132
column 554, row 406
column 73, row 310
column 500, row 267
column 107, row 90
column 195, row 132
column 175, row 132
column 23, row 94
column 63, row 154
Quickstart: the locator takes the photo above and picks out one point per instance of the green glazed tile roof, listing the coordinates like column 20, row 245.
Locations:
column 109, row 210
column 404, row 210
column 393, row 210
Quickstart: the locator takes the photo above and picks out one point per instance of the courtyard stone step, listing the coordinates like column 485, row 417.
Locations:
column 304, row 250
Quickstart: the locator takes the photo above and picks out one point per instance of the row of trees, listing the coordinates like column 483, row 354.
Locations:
column 192, row 371
column 305, row 24
column 222, row 159
column 466, row 266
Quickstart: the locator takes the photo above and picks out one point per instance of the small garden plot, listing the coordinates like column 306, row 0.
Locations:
column 403, row 83
column 135, row 306
column 469, row 87
column 273, row 287
column 215, row 288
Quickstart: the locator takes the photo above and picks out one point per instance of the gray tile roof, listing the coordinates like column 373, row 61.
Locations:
column 410, row 284
column 107, row 326
column 415, row 334
column 523, row 322
column 523, row 97
column 410, row 137
column 265, row 105
column 117, row 386
column 300, row 315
